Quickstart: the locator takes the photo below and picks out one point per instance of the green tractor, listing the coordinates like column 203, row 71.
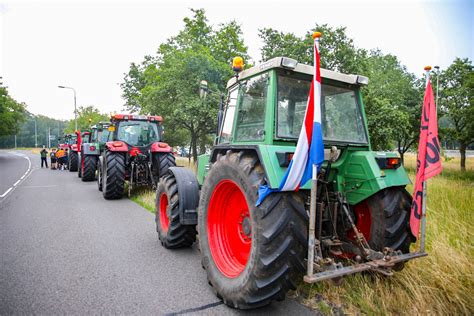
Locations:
column 91, row 151
column 255, row 254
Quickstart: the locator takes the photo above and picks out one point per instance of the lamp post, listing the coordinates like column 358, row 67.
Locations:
column 75, row 109
column 437, row 84
column 36, row 135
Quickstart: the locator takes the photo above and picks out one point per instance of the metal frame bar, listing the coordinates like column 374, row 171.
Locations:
column 370, row 265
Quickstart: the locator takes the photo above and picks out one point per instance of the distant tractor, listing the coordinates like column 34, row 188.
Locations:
column 135, row 153
column 74, row 149
column 90, row 151
column 68, row 141
column 255, row 254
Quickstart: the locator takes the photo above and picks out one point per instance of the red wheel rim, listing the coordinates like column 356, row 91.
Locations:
column 363, row 220
column 164, row 220
column 229, row 229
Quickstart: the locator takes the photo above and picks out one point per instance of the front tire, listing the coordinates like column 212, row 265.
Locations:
column 73, row 161
column 113, row 175
column 252, row 255
column 90, row 166
column 171, row 232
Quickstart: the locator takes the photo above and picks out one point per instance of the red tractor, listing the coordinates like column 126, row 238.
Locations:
column 135, row 152
column 74, row 150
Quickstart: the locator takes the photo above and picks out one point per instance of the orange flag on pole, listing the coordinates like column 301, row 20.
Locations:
column 429, row 159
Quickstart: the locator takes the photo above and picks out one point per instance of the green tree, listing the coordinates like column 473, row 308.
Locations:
column 175, row 93
column 168, row 84
column 393, row 103
column 457, row 103
column 338, row 51
column 86, row 117
column 12, row 113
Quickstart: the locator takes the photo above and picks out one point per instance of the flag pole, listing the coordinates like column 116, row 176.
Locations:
column 314, row 187
column 423, row 201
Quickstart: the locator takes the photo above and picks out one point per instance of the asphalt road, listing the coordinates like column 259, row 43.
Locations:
column 66, row 250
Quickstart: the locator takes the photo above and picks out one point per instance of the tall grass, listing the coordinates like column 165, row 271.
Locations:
column 440, row 284
column 146, row 197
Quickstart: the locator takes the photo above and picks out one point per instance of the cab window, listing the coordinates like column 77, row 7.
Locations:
column 250, row 125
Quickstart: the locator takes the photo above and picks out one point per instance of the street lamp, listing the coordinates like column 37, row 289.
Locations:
column 203, row 89
column 437, row 83
column 75, row 109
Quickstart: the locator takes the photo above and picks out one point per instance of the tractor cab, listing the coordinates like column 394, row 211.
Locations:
column 69, row 139
column 100, row 133
column 139, row 132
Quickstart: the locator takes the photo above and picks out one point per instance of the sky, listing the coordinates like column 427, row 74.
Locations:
column 89, row 45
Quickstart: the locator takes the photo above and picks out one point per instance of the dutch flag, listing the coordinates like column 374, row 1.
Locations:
column 309, row 153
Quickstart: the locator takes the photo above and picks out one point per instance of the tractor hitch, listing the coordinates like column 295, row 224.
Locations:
column 382, row 266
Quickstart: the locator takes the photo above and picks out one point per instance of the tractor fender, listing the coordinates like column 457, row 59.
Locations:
column 91, row 149
column 74, row 147
column 159, row 147
column 117, row 146
column 188, row 195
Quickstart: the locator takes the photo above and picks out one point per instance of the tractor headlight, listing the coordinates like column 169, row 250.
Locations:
column 362, row 80
column 289, row 63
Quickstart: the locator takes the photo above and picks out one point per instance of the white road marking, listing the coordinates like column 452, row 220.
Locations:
column 23, row 177
column 5, row 194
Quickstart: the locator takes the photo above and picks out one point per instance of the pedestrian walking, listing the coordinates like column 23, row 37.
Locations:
column 44, row 154
column 52, row 157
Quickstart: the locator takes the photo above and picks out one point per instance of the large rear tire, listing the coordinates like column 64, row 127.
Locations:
column 99, row 175
column 162, row 162
column 113, row 175
column 90, row 166
column 252, row 255
column 72, row 161
column 171, row 232
column 79, row 165
column 384, row 219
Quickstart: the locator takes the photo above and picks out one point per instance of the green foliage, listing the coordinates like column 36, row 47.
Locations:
column 338, row 52
column 25, row 137
column 392, row 102
column 12, row 113
column 86, row 117
column 168, row 84
column 457, row 103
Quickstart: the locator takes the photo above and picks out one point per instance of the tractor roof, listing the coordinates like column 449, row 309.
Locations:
column 136, row 117
column 100, row 125
column 291, row 64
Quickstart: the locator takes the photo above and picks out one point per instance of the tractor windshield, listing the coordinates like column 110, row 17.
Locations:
column 138, row 133
column 341, row 116
column 70, row 139
column 102, row 135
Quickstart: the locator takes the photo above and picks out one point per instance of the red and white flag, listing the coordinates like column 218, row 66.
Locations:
column 429, row 159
